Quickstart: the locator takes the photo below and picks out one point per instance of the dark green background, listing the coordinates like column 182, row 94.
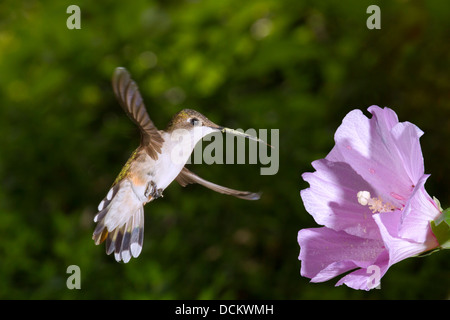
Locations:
column 296, row 66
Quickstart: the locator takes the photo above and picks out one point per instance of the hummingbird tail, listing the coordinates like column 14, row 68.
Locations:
column 122, row 229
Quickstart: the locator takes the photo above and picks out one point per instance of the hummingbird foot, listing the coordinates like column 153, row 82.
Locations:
column 153, row 191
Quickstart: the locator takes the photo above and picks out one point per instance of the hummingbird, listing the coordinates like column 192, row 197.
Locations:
column 149, row 170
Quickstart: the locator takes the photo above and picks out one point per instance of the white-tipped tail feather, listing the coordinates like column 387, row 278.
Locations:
column 120, row 221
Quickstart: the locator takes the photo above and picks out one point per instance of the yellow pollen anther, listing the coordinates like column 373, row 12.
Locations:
column 375, row 204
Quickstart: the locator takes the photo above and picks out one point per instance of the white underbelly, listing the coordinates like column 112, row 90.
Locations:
column 166, row 168
column 166, row 171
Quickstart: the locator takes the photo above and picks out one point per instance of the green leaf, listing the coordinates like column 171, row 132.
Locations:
column 442, row 230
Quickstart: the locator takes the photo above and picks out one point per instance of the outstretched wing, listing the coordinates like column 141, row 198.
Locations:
column 187, row 177
column 130, row 99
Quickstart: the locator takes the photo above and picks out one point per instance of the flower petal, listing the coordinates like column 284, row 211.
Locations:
column 416, row 217
column 406, row 136
column 398, row 248
column 326, row 253
column 367, row 278
column 379, row 149
column 331, row 199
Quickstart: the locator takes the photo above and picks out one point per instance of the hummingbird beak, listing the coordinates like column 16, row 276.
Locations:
column 237, row 133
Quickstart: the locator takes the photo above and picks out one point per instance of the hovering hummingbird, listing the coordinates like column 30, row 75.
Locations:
column 149, row 170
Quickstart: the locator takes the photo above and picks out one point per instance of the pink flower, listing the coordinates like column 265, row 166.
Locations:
column 369, row 195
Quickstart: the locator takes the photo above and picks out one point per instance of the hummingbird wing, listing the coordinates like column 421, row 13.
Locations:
column 120, row 221
column 186, row 177
column 130, row 99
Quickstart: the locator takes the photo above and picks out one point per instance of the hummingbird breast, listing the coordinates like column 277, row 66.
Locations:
column 161, row 172
column 170, row 162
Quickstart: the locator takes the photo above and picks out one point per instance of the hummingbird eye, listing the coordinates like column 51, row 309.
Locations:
column 194, row 121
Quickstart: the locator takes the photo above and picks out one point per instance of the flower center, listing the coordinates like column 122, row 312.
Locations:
column 375, row 204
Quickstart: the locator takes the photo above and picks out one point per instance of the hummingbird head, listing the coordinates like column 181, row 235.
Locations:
column 191, row 125
column 189, row 119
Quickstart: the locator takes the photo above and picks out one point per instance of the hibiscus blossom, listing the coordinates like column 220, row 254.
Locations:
column 369, row 195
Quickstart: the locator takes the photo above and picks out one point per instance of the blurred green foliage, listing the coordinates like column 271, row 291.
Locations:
column 296, row 66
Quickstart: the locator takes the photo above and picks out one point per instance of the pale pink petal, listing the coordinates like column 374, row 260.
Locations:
column 331, row 199
column 398, row 248
column 418, row 212
column 386, row 117
column 326, row 253
column 366, row 278
column 406, row 136
column 371, row 148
